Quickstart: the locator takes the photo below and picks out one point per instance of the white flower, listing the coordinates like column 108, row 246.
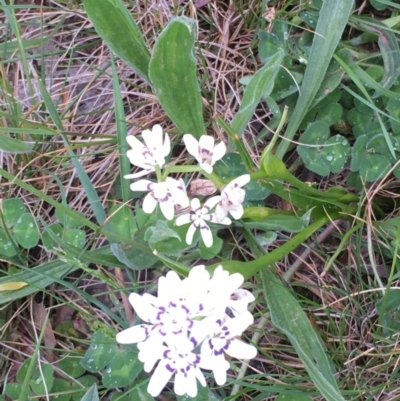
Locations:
column 232, row 197
column 223, row 341
column 173, row 312
column 176, row 358
column 239, row 302
column 198, row 218
column 186, row 317
column 204, row 150
column 167, row 193
column 152, row 154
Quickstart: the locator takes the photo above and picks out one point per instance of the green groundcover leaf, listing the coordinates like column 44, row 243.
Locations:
column 288, row 317
column 174, row 76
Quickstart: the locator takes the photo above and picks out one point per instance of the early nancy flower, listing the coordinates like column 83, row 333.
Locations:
column 167, row 193
column 186, row 328
column 204, row 150
column 150, row 154
column 232, row 197
column 198, row 217
column 223, row 340
column 176, row 358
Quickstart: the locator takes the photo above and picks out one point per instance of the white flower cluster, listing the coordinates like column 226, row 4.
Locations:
column 190, row 326
column 151, row 156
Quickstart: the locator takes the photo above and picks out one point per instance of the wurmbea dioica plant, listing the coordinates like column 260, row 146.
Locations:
column 191, row 325
column 170, row 193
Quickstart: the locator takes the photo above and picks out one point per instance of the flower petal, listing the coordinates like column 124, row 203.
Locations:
column 142, row 185
column 140, row 173
column 190, row 232
column 206, row 167
column 169, row 286
column 195, row 204
column 183, row 219
column 167, row 209
column 149, row 203
column 236, row 211
column 206, row 235
column 241, row 350
column 133, row 335
column 206, row 142
column 143, row 308
column 240, row 181
column 160, row 378
column 192, row 145
column 218, row 152
column 185, row 383
column 220, row 367
column 210, row 203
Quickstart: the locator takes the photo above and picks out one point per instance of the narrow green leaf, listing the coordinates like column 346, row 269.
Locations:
column 92, row 394
column 37, row 278
column 173, row 74
column 255, row 90
column 332, row 20
column 288, row 317
column 13, row 145
column 116, row 26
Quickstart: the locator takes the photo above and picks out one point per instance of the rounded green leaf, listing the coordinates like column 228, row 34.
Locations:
column 26, row 231
column 66, row 220
column 71, row 366
column 61, row 390
column 7, row 248
column 53, row 230
column 75, row 237
column 42, row 381
column 12, row 210
column 335, row 153
column 101, row 351
column 374, row 166
column 123, row 369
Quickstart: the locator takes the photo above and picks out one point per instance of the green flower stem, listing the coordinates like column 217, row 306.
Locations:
column 243, row 152
column 160, row 176
column 249, row 269
column 216, row 179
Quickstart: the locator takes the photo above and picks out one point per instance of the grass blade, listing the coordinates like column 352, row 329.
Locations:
column 331, row 23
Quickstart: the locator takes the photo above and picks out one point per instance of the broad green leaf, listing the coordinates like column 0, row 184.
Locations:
column 13, row 390
column 213, row 250
column 174, row 76
column 374, row 167
column 51, row 231
column 12, row 210
column 13, row 145
column 138, row 393
column 92, row 394
column 255, row 90
column 288, row 317
column 335, row 153
column 115, row 25
column 26, row 231
column 389, row 312
column 332, row 20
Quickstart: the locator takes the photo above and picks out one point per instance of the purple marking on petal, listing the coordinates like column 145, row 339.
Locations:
column 191, row 323
column 219, row 322
column 170, row 368
column 224, row 328
column 165, row 353
column 201, row 307
column 194, row 342
column 186, row 309
column 197, row 360
column 226, row 346
column 220, row 352
column 172, row 304
column 177, row 332
column 163, row 333
column 210, row 343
